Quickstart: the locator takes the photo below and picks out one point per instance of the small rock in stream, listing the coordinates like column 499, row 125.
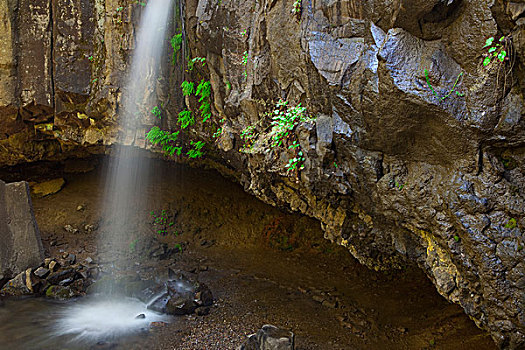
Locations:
column 269, row 338
column 140, row 317
column 179, row 295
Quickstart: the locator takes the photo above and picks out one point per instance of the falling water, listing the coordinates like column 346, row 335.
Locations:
column 129, row 172
column 127, row 179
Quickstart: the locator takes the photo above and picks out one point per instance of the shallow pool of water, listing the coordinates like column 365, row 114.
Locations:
column 37, row 323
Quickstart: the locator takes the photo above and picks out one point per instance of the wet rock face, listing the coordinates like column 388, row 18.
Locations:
column 392, row 171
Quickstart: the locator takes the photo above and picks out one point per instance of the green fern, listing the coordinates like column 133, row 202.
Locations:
column 186, row 119
column 205, row 108
column 196, row 151
column 176, row 44
column 165, row 139
column 191, row 63
column 203, row 90
column 156, row 112
column 188, row 88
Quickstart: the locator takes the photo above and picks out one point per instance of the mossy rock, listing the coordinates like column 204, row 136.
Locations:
column 60, row 292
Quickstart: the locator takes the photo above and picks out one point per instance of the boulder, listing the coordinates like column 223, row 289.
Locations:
column 269, row 338
column 21, row 246
column 16, row 286
column 178, row 296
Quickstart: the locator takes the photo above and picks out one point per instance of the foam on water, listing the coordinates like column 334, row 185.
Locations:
column 93, row 319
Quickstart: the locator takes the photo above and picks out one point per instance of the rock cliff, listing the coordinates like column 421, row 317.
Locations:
column 397, row 166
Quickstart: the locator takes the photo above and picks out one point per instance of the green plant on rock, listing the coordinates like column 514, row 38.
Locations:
column 217, row 133
column 203, row 92
column 186, row 119
column 193, row 61
column 196, row 151
column 165, row 139
column 162, row 222
column 248, row 133
column 188, row 88
column 296, row 163
column 156, row 112
column 495, row 50
column 176, row 44
column 511, row 224
column 284, row 120
column 398, row 185
column 297, row 7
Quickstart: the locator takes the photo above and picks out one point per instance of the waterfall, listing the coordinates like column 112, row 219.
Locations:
column 128, row 171
column 111, row 313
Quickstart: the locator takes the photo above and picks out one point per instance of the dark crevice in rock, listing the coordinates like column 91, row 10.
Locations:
column 51, row 30
column 442, row 11
column 480, row 160
column 380, row 171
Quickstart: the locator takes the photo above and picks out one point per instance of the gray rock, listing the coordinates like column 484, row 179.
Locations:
column 21, row 246
column 269, row 338
column 160, row 303
column 16, row 286
column 41, row 272
column 177, row 296
column 60, row 276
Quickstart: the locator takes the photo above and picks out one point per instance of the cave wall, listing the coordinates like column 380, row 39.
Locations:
column 393, row 173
